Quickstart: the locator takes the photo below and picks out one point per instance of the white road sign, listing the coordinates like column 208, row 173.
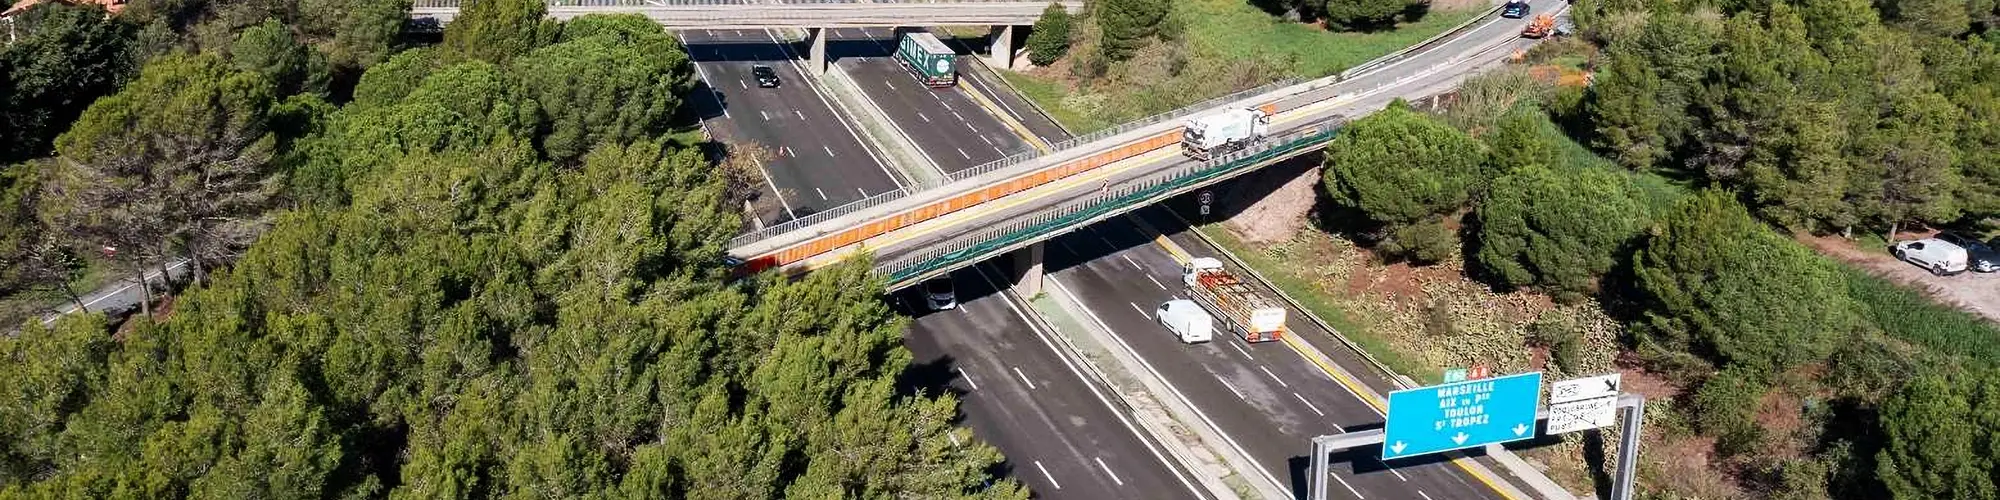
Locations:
column 1582, row 415
column 1583, row 388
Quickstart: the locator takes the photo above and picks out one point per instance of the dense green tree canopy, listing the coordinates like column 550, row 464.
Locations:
column 496, row 31
column 1719, row 284
column 1939, row 430
column 1363, row 14
column 614, row 85
column 1558, row 229
column 1399, row 166
column 65, row 58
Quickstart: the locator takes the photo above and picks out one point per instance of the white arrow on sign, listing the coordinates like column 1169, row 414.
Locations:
column 1584, row 388
column 1398, row 447
column 1520, row 429
column 1460, row 438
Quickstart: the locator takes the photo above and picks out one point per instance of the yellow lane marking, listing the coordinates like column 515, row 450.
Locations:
column 1003, row 203
column 1367, row 395
column 1005, row 119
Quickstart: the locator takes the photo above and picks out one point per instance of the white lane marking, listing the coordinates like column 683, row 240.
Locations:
column 996, row 149
column 739, row 83
column 947, row 105
column 1309, row 404
column 1246, row 354
column 1149, row 277
column 960, row 117
column 864, row 192
column 1142, row 312
column 822, row 194
column 767, row 116
column 1045, row 473
column 829, row 151
column 1262, row 469
column 891, row 85
column 926, row 118
column 786, row 151
column 1135, row 264
column 989, row 142
column 802, row 115
column 1399, row 475
column 1232, row 389
column 1107, row 471
column 1350, row 488
column 1151, row 447
column 968, row 379
column 961, row 152
column 974, row 129
column 1024, row 378
column 1427, row 496
column 1274, row 376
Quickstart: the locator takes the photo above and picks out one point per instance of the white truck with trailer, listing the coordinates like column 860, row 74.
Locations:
column 1245, row 311
column 1208, row 136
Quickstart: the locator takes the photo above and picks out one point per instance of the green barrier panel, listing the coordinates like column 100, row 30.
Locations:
column 1103, row 206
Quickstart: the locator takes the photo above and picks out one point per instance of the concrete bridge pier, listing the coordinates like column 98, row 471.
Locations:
column 816, row 57
column 1003, row 47
column 1028, row 262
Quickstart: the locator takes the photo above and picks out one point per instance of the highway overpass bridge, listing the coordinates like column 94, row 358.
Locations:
column 810, row 15
column 1016, row 203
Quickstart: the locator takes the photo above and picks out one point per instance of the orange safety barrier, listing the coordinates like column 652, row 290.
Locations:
column 940, row 208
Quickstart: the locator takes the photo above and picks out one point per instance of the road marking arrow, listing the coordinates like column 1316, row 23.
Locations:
column 1397, row 448
column 1460, row 438
column 1520, row 429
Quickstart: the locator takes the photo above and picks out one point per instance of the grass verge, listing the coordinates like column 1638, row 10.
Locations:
column 1908, row 315
column 1228, row 45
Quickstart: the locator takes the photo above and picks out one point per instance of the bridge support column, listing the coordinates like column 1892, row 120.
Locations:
column 1003, row 47
column 1028, row 262
column 816, row 57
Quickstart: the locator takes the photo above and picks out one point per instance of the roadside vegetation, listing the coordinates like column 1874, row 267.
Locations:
column 1492, row 232
column 1127, row 59
column 478, row 269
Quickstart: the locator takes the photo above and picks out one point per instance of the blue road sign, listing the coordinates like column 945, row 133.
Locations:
column 1461, row 415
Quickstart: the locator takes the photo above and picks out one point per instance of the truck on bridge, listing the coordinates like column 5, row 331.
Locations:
column 928, row 59
column 1245, row 311
column 1207, row 136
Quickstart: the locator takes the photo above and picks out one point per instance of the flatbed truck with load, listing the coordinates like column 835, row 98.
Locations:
column 1243, row 309
column 927, row 59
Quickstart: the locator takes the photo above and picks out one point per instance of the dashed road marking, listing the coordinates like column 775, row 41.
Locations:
column 1142, row 312
column 961, row 152
column 927, row 119
column 1107, row 471
column 1024, row 378
column 1149, row 277
column 968, row 379
column 1045, row 473
column 829, row 151
column 822, row 194
column 1274, row 376
column 1309, row 404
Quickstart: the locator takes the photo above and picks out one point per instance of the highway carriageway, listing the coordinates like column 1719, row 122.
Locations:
column 889, row 226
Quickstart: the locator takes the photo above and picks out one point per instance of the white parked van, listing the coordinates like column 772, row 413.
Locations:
column 1937, row 256
column 1187, row 320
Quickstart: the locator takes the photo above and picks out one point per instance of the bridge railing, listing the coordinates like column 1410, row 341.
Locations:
column 994, row 239
column 1081, row 140
column 818, row 217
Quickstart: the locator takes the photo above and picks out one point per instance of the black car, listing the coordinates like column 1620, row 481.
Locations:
column 1979, row 256
column 766, row 77
column 1514, row 10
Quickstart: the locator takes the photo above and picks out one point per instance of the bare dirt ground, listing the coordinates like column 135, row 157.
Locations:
column 1977, row 293
column 1275, row 203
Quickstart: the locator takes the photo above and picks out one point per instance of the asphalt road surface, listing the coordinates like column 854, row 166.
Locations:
column 953, row 130
column 1266, row 398
column 1060, row 433
column 816, row 159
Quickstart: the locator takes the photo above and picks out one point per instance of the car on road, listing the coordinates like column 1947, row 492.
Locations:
column 1187, row 320
column 766, row 77
column 1937, row 256
column 1514, row 10
column 938, row 292
column 1979, row 256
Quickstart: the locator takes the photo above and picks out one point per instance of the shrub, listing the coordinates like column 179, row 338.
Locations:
column 1726, row 407
column 1050, row 37
column 1399, row 166
column 1424, row 243
column 1558, row 231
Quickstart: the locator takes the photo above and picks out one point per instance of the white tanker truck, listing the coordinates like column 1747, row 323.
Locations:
column 1208, row 136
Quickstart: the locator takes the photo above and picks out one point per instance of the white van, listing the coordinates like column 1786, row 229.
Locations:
column 1937, row 256
column 1187, row 320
